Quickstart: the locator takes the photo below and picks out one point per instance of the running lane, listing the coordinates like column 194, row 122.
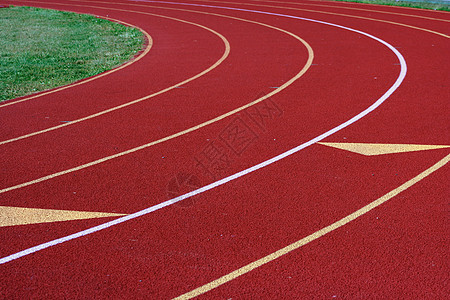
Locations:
column 182, row 247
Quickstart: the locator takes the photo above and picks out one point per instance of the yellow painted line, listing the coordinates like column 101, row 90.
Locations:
column 357, row 9
column 379, row 149
column 139, row 57
column 13, row 216
column 338, row 14
column 215, row 65
column 294, row 246
column 204, row 124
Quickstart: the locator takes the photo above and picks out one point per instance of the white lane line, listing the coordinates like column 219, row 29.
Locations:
column 208, row 187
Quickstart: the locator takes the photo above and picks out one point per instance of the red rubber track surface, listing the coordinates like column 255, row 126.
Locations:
column 398, row 250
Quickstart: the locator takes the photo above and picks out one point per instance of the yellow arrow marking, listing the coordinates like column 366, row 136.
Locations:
column 12, row 216
column 378, row 149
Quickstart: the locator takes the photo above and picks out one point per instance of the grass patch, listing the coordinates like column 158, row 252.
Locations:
column 434, row 5
column 42, row 49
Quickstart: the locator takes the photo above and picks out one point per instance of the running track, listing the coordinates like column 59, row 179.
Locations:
column 221, row 91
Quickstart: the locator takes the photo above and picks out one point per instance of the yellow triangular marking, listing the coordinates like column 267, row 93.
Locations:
column 378, row 149
column 12, row 216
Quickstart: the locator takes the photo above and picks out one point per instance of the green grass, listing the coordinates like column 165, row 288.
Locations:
column 435, row 5
column 42, row 49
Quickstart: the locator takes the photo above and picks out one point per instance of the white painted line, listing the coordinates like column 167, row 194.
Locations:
column 208, row 187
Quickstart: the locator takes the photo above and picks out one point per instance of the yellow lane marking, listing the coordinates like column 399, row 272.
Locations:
column 83, row 81
column 217, row 63
column 294, row 246
column 13, row 216
column 379, row 149
column 358, row 9
column 338, row 14
column 178, row 134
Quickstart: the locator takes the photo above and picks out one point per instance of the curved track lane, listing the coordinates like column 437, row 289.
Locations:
column 394, row 249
